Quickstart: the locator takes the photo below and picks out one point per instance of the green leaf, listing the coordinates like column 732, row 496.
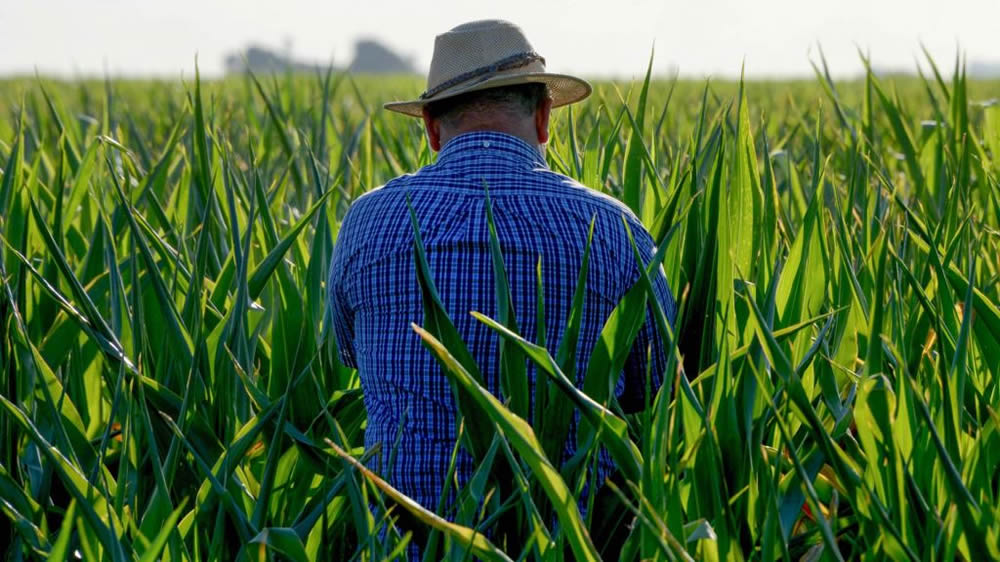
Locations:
column 634, row 166
column 475, row 541
column 524, row 441
column 479, row 429
column 513, row 374
column 612, row 430
column 155, row 549
column 283, row 541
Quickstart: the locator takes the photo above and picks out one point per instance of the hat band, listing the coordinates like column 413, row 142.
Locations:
column 514, row 61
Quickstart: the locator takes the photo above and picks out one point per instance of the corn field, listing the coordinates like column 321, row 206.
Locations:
column 170, row 387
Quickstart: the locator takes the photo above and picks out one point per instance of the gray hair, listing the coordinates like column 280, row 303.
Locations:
column 521, row 99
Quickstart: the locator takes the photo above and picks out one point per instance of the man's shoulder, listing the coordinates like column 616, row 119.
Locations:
column 388, row 189
column 588, row 195
column 399, row 186
column 377, row 197
column 591, row 200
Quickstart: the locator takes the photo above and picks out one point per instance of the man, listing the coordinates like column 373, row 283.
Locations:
column 486, row 111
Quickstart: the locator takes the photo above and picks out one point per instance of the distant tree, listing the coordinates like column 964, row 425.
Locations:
column 984, row 69
column 371, row 56
column 262, row 60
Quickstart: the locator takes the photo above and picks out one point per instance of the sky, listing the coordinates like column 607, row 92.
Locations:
column 697, row 38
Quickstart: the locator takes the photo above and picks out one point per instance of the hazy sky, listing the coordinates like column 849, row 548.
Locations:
column 698, row 37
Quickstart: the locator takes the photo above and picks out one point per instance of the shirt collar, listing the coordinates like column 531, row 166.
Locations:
column 493, row 145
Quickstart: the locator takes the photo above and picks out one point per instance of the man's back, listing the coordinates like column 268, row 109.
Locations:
column 539, row 215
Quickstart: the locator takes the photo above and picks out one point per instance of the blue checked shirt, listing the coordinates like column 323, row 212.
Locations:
column 375, row 296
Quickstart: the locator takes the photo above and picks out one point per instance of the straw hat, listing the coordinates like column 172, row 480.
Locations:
column 488, row 54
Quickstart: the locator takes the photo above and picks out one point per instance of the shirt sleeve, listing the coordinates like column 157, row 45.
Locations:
column 650, row 349
column 341, row 312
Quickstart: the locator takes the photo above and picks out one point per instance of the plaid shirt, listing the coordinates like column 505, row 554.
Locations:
column 375, row 296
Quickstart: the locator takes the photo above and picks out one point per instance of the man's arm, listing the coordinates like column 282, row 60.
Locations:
column 341, row 313
column 649, row 351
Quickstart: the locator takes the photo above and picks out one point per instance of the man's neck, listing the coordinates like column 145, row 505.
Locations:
column 526, row 134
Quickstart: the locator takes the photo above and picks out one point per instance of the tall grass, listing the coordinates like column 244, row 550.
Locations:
column 170, row 388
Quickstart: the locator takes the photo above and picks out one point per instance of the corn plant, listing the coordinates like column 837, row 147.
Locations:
column 170, row 387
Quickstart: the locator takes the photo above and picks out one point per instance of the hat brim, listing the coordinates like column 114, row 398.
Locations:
column 563, row 89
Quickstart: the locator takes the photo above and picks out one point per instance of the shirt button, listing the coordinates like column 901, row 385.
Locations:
column 486, row 144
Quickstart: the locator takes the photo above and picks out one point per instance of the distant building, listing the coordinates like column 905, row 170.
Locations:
column 370, row 57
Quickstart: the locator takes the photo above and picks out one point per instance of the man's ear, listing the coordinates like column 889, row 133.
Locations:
column 542, row 120
column 433, row 127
